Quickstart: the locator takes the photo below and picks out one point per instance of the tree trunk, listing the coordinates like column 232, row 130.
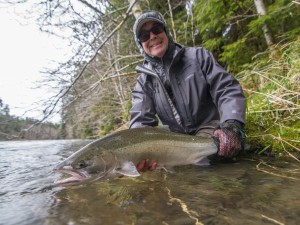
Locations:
column 136, row 9
column 172, row 21
column 261, row 10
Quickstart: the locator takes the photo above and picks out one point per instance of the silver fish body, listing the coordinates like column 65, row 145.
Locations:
column 119, row 152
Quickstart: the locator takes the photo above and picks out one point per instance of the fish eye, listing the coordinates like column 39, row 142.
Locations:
column 81, row 164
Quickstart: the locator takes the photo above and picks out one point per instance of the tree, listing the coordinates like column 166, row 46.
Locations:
column 93, row 87
column 4, row 108
column 233, row 30
column 261, row 10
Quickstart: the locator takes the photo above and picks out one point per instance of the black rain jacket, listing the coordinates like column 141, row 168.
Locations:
column 201, row 89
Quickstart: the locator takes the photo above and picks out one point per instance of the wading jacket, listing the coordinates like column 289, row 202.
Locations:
column 200, row 91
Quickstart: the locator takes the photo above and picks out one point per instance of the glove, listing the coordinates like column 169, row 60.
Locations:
column 229, row 137
column 146, row 165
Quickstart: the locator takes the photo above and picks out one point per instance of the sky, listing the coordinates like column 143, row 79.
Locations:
column 24, row 52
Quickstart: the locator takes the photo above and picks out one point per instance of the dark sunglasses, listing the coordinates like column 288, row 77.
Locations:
column 144, row 35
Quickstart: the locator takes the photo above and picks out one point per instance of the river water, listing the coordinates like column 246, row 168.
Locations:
column 251, row 191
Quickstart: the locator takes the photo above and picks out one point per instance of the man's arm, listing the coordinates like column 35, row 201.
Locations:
column 228, row 96
column 142, row 113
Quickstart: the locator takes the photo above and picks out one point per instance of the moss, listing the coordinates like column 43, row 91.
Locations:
column 273, row 108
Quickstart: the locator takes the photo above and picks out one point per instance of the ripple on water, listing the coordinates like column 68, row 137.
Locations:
column 220, row 194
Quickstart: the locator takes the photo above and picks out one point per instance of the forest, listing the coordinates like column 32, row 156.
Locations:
column 258, row 41
column 16, row 128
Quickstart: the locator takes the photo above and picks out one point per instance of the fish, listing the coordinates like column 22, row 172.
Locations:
column 119, row 152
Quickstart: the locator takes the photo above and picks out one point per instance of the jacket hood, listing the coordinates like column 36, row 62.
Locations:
column 144, row 18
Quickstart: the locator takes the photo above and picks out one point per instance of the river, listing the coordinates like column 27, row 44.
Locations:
column 251, row 191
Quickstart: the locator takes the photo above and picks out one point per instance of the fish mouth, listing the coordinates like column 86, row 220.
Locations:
column 75, row 176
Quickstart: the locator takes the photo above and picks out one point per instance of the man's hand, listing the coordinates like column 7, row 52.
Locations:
column 229, row 138
column 146, row 165
column 229, row 145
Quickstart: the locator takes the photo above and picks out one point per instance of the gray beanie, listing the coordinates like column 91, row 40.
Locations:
column 144, row 18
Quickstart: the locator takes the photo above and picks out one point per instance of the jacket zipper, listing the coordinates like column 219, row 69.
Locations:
column 141, row 69
column 179, row 84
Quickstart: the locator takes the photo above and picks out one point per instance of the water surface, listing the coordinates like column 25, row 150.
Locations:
column 251, row 191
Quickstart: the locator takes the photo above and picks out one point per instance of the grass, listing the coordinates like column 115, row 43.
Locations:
column 272, row 86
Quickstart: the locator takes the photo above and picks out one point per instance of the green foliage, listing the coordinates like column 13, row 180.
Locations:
column 232, row 53
column 284, row 19
column 273, row 103
column 256, row 25
column 233, row 31
column 222, row 29
column 9, row 125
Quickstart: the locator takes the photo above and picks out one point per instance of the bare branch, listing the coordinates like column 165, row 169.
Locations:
column 50, row 109
column 172, row 20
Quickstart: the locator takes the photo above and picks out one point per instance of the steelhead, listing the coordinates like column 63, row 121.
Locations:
column 118, row 153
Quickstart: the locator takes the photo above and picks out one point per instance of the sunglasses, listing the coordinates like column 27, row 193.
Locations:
column 144, row 35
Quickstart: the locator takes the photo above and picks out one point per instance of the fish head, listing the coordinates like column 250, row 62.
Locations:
column 86, row 167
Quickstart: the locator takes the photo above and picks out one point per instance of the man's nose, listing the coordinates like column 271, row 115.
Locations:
column 152, row 35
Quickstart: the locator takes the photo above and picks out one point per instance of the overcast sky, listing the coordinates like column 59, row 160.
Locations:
column 24, row 52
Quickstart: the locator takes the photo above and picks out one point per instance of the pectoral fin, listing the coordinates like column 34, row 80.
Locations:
column 128, row 169
column 203, row 162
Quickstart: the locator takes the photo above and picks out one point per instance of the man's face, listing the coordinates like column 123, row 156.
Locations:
column 157, row 44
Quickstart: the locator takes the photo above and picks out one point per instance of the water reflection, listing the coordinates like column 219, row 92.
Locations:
column 221, row 194
column 251, row 191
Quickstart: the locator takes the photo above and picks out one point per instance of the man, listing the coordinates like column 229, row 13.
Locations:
column 186, row 88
